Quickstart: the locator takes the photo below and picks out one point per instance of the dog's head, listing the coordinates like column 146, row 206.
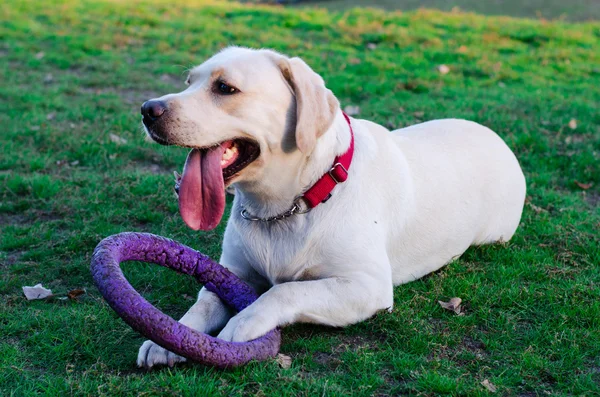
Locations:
column 245, row 114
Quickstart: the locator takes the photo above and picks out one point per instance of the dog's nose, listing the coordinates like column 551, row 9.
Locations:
column 153, row 109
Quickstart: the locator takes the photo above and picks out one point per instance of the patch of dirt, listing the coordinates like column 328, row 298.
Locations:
column 390, row 382
column 130, row 97
column 12, row 219
column 153, row 168
column 592, row 198
column 474, row 346
column 468, row 344
column 11, row 340
column 10, row 258
column 562, row 272
column 329, row 360
column 534, row 40
column 528, row 394
column 438, row 325
column 175, row 80
column 45, row 216
column 356, row 343
column 137, row 98
column 28, row 217
column 595, row 372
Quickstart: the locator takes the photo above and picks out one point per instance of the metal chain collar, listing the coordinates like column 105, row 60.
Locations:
column 296, row 209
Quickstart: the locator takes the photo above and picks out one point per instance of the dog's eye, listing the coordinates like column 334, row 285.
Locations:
column 223, row 88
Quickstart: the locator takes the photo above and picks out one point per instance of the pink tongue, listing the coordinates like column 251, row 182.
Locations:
column 202, row 190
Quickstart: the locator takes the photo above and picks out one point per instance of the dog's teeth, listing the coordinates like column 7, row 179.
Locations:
column 229, row 152
column 177, row 176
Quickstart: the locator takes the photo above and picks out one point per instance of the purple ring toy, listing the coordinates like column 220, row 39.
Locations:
column 157, row 326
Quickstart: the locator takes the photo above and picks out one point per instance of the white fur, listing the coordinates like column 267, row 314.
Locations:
column 416, row 198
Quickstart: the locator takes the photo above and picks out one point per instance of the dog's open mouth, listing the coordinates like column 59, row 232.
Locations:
column 238, row 154
column 202, row 185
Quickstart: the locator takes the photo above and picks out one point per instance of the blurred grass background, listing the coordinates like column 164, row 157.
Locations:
column 573, row 10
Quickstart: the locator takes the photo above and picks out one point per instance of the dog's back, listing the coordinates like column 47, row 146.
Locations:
column 466, row 188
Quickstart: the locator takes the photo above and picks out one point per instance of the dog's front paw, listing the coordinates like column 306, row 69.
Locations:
column 151, row 354
column 245, row 326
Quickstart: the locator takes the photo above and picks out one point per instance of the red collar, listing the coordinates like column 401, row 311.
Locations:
column 338, row 173
column 320, row 191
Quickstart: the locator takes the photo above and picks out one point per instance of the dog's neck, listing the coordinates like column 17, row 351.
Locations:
column 276, row 190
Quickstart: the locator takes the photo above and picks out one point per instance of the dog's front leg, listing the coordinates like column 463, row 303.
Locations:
column 335, row 301
column 207, row 315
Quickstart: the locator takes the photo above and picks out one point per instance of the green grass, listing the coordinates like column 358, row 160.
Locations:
column 73, row 72
column 578, row 10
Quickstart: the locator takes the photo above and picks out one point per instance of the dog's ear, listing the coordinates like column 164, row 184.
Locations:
column 316, row 105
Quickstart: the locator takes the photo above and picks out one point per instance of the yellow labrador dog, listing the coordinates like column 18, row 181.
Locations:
column 413, row 200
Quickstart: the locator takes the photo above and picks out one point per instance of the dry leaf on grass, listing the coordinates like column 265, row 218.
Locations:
column 573, row 124
column 584, row 186
column 371, row 46
column 284, row 361
column 489, row 385
column 452, row 305
column 51, row 116
column 75, row 293
column 40, row 55
column 351, row 110
column 36, row 292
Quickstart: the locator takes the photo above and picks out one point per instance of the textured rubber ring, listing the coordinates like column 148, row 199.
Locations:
column 157, row 326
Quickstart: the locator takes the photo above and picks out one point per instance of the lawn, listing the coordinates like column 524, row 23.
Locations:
column 75, row 168
column 578, row 10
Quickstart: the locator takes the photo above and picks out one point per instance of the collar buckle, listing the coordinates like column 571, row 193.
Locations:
column 338, row 173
